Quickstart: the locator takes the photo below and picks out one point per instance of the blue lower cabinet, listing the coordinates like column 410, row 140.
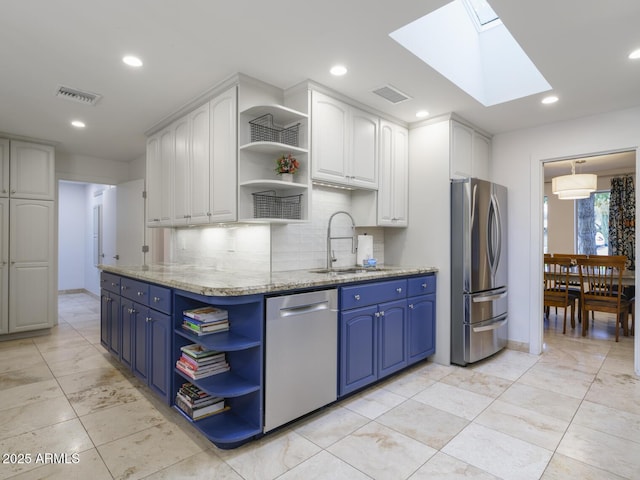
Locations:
column 152, row 331
column 373, row 344
column 421, row 336
column 392, row 327
column 358, row 348
column 160, row 358
column 128, row 312
column 110, row 322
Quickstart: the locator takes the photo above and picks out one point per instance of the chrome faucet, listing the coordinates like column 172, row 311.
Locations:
column 330, row 256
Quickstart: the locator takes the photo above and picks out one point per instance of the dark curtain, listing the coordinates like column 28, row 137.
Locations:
column 622, row 219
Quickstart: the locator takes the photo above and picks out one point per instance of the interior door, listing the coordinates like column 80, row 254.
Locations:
column 109, row 227
column 130, row 228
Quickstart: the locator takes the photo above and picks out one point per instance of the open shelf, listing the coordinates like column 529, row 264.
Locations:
column 225, row 429
column 225, row 384
column 273, row 148
column 221, row 341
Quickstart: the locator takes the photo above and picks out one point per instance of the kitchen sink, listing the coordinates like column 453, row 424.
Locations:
column 347, row 271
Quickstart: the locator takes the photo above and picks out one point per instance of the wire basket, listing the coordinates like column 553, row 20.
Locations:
column 268, row 205
column 263, row 130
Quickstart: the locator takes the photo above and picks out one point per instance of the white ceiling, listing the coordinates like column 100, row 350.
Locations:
column 189, row 46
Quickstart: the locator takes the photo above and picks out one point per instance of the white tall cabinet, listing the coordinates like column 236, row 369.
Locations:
column 27, row 236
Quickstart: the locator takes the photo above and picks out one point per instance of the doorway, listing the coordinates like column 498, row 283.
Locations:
column 563, row 231
column 97, row 224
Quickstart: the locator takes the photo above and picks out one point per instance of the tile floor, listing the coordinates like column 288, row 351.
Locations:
column 573, row 412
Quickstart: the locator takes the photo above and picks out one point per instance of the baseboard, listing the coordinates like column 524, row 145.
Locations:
column 518, row 346
column 78, row 290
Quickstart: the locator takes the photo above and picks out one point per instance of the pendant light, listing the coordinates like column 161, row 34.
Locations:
column 574, row 186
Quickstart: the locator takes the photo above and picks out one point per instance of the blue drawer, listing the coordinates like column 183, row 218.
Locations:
column 160, row 298
column 110, row 282
column 372, row 293
column 135, row 290
column 421, row 285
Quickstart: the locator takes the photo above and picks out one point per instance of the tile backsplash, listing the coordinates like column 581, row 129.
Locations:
column 264, row 248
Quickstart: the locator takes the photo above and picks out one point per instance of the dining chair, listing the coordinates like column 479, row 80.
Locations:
column 601, row 282
column 556, row 291
column 573, row 283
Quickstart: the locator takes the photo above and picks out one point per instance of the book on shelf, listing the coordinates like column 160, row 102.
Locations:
column 204, row 326
column 194, row 393
column 223, row 367
column 202, row 402
column 203, row 323
column 197, row 351
column 223, row 327
column 207, row 313
column 197, row 413
column 206, row 362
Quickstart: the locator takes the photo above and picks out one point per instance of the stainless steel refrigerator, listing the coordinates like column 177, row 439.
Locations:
column 479, row 285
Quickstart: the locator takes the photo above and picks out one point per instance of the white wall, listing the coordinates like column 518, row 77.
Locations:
column 517, row 163
column 71, row 235
column 84, row 168
column 426, row 241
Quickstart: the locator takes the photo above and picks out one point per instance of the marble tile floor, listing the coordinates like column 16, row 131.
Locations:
column 571, row 413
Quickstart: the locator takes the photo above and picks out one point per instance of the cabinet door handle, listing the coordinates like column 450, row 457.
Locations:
column 399, row 290
column 357, row 297
column 148, row 319
column 382, row 313
column 13, row 190
column 411, row 306
column 132, row 310
column 377, row 314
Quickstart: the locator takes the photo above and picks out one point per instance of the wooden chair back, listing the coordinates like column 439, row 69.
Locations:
column 601, row 280
column 556, row 288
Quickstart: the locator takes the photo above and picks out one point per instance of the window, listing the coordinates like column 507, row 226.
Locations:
column 592, row 223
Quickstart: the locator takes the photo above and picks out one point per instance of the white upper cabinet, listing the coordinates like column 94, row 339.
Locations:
column 32, row 171
column 470, row 152
column 344, row 143
column 4, row 167
column 153, row 181
column 191, row 166
column 223, row 109
column 198, row 170
column 393, row 192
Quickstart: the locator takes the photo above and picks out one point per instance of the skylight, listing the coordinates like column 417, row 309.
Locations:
column 477, row 53
column 482, row 12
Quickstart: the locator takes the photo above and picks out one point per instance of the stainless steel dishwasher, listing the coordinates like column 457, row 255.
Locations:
column 301, row 355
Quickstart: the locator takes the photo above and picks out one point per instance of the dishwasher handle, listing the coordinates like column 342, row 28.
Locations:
column 304, row 309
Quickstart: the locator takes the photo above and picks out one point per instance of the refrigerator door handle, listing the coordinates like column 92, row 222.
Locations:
column 494, row 326
column 494, row 234
column 490, row 298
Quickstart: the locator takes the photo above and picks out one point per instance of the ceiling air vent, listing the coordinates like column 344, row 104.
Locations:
column 391, row 94
column 76, row 95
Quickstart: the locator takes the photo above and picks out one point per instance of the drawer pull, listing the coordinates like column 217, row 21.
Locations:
column 132, row 310
column 140, row 294
column 123, row 288
column 399, row 290
column 156, row 299
column 424, row 285
column 357, row 297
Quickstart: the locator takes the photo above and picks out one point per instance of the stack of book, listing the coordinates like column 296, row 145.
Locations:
column 205, row 320
column 196, row 403
column 198, row 362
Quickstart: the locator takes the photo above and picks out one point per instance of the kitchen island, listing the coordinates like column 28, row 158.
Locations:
column 384, row 323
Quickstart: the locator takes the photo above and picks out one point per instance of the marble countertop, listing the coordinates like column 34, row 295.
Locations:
column 211, row 282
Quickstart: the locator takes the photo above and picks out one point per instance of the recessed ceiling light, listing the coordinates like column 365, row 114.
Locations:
column 78, row 124
column 635, row 54
column 422, row 114
column 550, row 99
column 132, row 61
column 338, row 70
